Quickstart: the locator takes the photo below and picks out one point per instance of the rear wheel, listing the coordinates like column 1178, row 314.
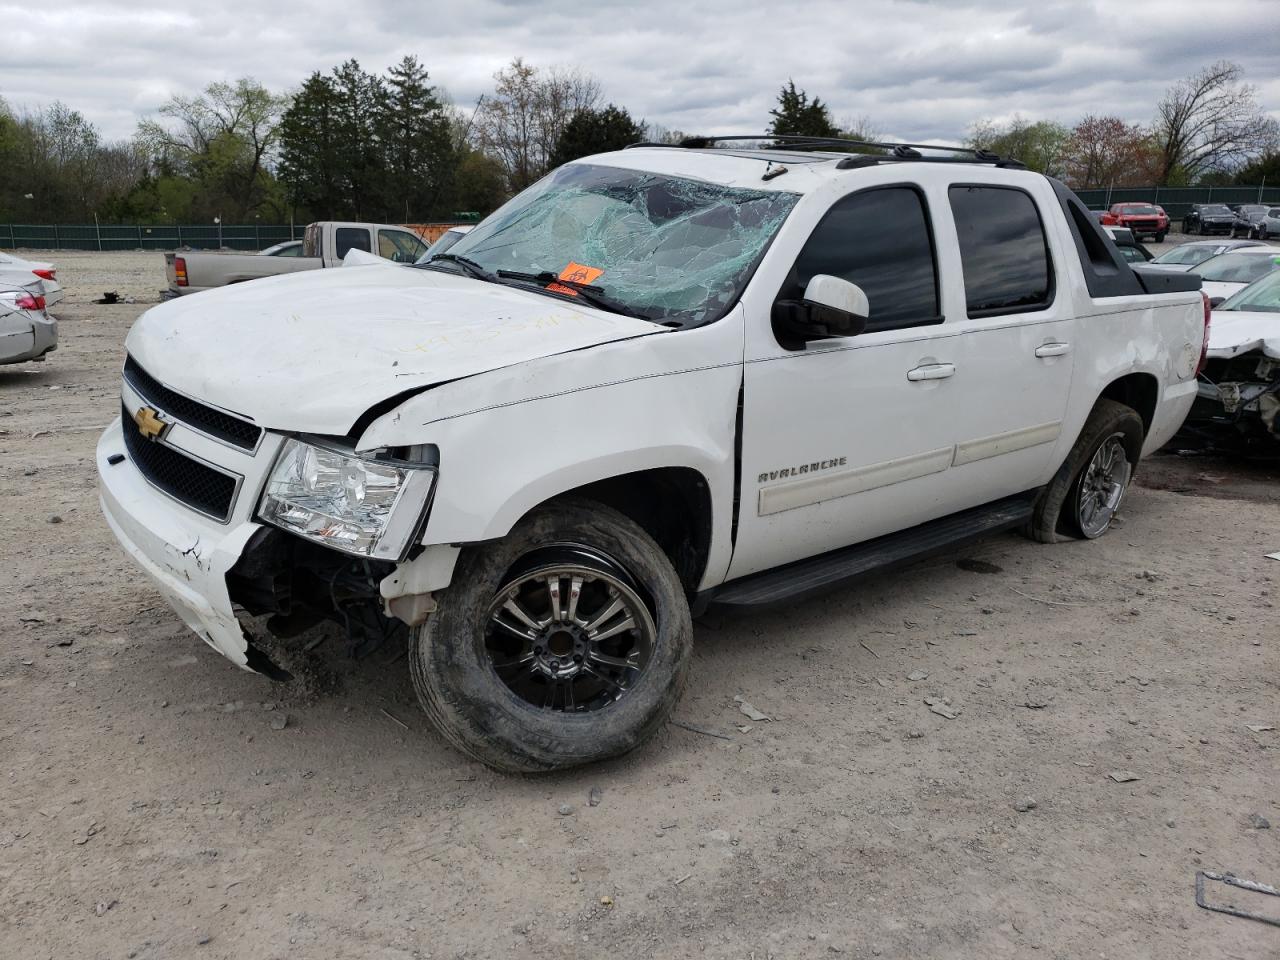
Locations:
column 1085, row 495
column 566, row 642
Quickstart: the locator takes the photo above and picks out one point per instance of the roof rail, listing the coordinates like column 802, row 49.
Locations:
column 892, row 151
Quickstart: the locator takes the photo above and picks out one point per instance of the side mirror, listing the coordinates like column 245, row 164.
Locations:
column 1217, row 301
column 831, row 307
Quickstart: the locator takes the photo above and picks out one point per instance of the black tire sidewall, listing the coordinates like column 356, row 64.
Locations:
column 477, row 712
column 1123, row 420
column 1051, row 514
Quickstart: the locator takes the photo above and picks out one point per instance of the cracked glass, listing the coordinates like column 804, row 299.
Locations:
column 669, row 249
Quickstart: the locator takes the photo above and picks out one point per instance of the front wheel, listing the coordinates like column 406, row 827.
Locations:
column 1160, row 236
column 1085, row 494
column 564, row 643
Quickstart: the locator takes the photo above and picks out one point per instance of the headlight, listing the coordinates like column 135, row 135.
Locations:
column 370, row 508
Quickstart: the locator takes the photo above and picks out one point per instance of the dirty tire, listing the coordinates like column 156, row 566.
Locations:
column 1054, row 515
column 468, row 702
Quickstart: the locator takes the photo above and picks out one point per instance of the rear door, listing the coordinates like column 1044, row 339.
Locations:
column 1015, row 333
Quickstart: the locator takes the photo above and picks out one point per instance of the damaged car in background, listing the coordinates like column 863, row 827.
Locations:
column 1239, row 391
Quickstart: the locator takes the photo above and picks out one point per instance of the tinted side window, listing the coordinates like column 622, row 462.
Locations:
column 881, row 240
column 1003, row 250
column 347, row 238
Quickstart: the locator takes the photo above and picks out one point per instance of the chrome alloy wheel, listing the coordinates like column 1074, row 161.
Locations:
column 569, row 637
column 1103, row 485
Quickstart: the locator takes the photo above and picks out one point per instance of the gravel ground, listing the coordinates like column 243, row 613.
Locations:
column 155, row 802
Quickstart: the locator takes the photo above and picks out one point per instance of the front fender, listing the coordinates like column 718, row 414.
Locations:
column 516, row 437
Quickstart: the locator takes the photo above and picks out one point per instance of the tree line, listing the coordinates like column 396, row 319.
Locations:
column 353, row 144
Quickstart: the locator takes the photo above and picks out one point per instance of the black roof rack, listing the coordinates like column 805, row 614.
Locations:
column 892, row 151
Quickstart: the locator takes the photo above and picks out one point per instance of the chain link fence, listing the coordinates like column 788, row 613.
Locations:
column 1177, row 201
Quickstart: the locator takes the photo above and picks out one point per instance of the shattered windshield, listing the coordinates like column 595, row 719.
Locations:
column 663, row 248
column 1260, row 297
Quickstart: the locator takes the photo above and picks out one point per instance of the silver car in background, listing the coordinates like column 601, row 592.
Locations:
column 1187, row 255
column 27, row 332
column 36, row 277
column 1265, row 226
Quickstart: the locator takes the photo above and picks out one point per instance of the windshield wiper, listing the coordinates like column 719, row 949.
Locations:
column 591, row 294
column 470, row 266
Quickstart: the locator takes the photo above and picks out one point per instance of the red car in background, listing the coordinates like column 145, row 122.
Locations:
column 1144, row 219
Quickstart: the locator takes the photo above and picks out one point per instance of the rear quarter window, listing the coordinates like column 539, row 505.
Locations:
column 1003, row 250
column 346, row 239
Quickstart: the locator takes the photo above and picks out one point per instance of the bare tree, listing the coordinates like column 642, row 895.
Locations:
column 522, row 120
column 1107, row 150
column 1209, row 121
column 861, row 128
column 233, row 127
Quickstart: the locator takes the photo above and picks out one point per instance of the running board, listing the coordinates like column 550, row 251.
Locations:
column 820, row 573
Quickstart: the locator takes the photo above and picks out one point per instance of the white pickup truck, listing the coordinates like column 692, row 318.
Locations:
column 657, row 380
column 325, row 243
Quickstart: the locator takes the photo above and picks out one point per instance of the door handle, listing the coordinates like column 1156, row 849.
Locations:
column 1053, row 350
column 932, row 371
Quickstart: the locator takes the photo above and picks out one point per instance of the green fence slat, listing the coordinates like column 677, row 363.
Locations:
column 135, row 236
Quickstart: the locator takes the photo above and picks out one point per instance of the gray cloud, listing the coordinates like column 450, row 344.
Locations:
column 919, row 69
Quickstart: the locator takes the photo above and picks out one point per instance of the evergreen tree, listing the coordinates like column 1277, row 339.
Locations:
column 797, row 115
column 309, row 160
column 416, row 137
column 596, row 131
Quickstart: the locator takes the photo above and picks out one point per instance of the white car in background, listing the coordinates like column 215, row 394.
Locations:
column 38, row 278
column 1237, row 404
column 289, row 248
column 1187, row 255
column 26, row 331
column 446, row 240
column 1230, row 272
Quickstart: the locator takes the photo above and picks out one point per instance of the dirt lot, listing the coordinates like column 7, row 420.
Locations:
column 152, row 807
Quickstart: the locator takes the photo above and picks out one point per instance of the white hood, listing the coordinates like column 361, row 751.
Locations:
column 1234, row 332
column 1221, row 288
column 313, row 351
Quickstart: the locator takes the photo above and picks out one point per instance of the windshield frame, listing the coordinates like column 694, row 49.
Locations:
column 705, row 313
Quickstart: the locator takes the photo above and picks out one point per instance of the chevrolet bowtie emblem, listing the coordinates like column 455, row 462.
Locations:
column 150, row 425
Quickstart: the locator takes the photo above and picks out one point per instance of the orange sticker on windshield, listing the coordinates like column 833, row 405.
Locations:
column 576, row 273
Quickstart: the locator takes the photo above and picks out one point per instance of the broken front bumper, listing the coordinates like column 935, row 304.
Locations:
column 186, row 555
column 1237, row 407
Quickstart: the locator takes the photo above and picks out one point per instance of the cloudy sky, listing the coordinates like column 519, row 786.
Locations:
column 918, row 69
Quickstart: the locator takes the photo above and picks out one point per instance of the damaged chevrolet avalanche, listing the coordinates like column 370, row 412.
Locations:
column 658, row 380
column 1238, row 400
